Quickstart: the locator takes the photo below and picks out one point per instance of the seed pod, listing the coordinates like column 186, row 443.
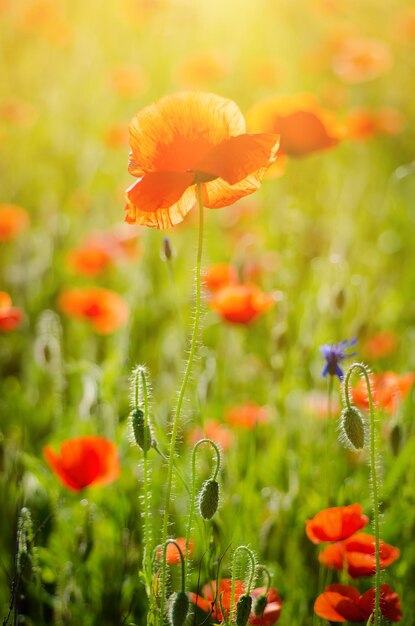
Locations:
column 209, row 499
column 260, row 605
column 352, row 427
column 179, row 608
column 243, row 609
column 142, row 433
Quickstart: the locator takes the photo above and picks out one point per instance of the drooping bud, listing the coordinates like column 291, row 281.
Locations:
column 396, row 439
column 179, row 608
column 260, row 605
column 352, row 427
column 167, row 249
column 142, row 433
column 209, row 498
column 243, row 609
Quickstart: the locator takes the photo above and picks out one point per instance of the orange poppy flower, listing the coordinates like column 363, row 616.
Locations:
column 388, row 389
column 84, row 462
column 172, row 553
column 241, row 304
column 358, row 553
column 361, row 60
column 13, row 220
column 247, row 416
column 380, row 345
column 116, row 136
column 10, row 316
column 220, row 275
column 343, row 603
column 189, row 137
column 212, row 429
column 103, row 308
column 90, row 260
column 304, row 127
column 362, row 124
column 336, row 523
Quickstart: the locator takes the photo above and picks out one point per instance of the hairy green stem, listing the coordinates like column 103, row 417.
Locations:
column 181, row 559
column 186, row 376
column 193, row 490
column 363, row 370
column 252, row 559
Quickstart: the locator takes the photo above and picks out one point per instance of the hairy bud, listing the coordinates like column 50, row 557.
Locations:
column 142, row 433
column 260, row 605
column 209, row 499
column 179, row 608
column 243, row 609
column 352, row 427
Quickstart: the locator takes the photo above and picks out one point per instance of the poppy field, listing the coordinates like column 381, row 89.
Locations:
column 207, row 313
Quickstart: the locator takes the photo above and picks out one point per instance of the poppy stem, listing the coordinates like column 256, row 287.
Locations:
column 328, row 430
column 193, row 492
column 186, row 376
column 374, row 481
column 181, row 559
column 141, row 401
column 252, row 572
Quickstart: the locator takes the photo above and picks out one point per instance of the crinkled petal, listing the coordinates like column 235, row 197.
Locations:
column 176, row 132
column 160, row 199
column 218, row 193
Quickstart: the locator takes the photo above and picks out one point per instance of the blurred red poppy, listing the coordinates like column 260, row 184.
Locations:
column 10, row 316
column 13, row 219
column 84, row 462
column 209, row 602
column 380, row 345
column 185, row 138
column 105, row 309
column 336, row 523
column 128, row 81
column 219, row 275
column 89, row 260
column 343, row 603
column 361, row 60
column 358, row 553
column 247, row 416
column 388, row 390
column 200, row 70
column 212, row 429
column 362, row 124
column 304, row 127
column 172, row 553
column 241, row 304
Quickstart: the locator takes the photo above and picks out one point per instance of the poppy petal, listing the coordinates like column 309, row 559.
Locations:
column 238, row 157
column 177, row 131
column 218, row 193
column 160, row 199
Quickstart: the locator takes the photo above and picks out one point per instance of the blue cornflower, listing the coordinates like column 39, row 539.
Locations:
column 334, row 353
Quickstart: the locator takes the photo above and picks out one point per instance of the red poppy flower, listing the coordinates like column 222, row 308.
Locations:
column 304, row 127
column 89, row 260
column 200, row 70
column 362, row 124
column 13, row 219
column 247, row 415
column 219, row 275
column 189, row 137
column 103, row 308
column 388, row 389
column 10, row 316
column 358, row 553
column 172, row 553
column 241, row 304
column 343, row 603
column 380, row 345
column 212, row 429
column 206, row 601
column 336, row 523
column 84, row 462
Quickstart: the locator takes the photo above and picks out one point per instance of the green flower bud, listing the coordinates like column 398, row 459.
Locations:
column 260, row 605
column 142, row 433
column 179, row 608
column 243, row 610
column 209, row 499
column 352, row 427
